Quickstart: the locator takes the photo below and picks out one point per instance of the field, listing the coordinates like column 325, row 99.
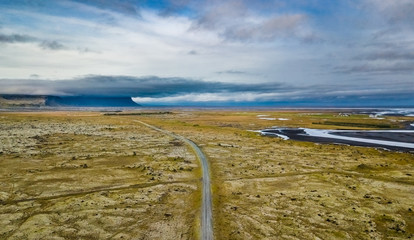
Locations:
column 71, row 175
column 84, row 176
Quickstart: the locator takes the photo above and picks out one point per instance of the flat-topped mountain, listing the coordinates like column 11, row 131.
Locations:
column 64, row 101
column 86, row 101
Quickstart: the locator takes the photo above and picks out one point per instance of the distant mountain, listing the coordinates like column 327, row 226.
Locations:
column 22, row 101
column 83, row 101
column 66, row 101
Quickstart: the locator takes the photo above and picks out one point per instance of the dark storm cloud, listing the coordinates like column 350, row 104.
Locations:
column 158, row 88
column 130, row 86
column 16, row 38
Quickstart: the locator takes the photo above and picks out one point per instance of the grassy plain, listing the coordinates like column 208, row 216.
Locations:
column 140, row 184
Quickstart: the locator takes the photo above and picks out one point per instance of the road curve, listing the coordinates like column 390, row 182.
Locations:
column 206, row 208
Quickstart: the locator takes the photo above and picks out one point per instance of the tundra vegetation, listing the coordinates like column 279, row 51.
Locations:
column 88, row 175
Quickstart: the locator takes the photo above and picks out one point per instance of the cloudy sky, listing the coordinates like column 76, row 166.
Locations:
column 211, row 52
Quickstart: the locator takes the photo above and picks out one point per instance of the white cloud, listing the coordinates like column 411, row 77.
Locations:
column 140, row 46
column 212, row 97
column 243, row 42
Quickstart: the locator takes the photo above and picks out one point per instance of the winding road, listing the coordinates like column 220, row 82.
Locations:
column 206, row 208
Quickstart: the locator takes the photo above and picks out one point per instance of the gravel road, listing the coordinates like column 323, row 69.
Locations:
column 206, row 208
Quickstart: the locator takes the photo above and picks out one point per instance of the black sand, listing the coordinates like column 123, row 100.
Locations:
column 300, row 135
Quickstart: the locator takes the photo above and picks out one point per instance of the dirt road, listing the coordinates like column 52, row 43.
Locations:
column 206, row 208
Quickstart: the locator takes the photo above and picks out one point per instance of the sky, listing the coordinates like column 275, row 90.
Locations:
column 211, row 52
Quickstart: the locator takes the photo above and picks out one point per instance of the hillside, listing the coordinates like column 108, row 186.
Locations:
column 22, row 101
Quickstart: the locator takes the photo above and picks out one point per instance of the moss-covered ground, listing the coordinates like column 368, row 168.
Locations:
column 84, row 175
